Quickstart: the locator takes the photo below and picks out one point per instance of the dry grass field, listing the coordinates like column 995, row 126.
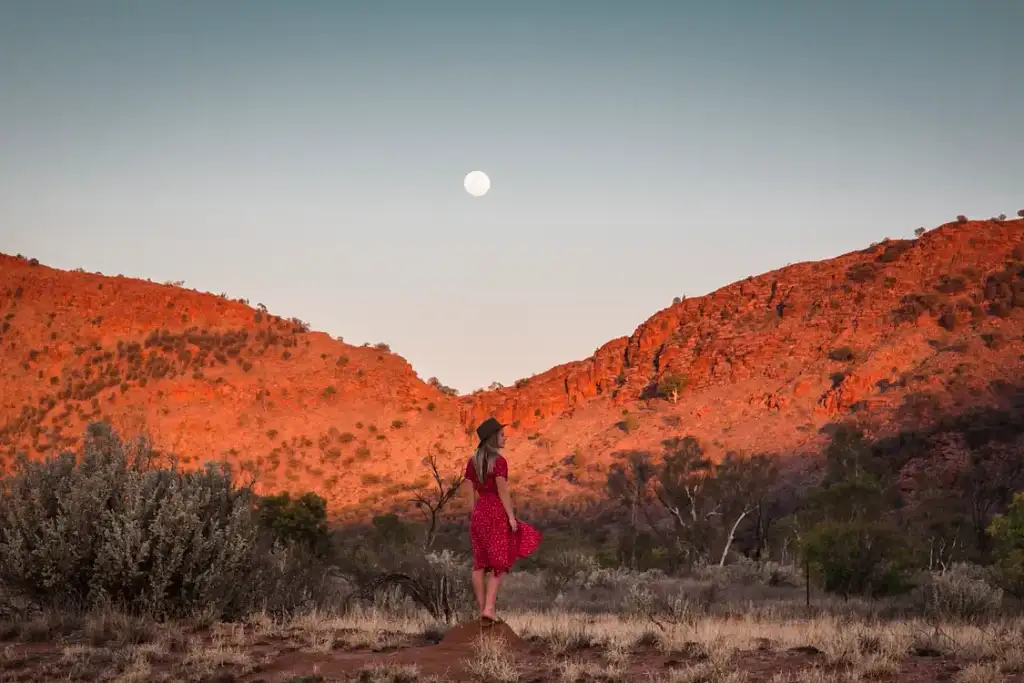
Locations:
column 570, row 641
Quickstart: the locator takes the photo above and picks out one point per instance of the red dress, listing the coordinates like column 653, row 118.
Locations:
column 495, row 546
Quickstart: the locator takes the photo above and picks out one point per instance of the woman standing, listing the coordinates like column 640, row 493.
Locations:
column 498, row 537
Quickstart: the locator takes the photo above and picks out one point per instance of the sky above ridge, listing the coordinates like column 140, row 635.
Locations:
column 310, row 155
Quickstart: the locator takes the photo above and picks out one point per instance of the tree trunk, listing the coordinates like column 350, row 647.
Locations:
column 728, row 540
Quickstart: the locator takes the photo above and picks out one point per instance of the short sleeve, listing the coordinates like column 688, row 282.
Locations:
column 470, row 470
column 501, row 467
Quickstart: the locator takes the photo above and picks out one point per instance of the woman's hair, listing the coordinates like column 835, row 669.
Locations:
column 483, row 459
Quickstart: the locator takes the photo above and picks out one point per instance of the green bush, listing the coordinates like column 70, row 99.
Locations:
column 1007, row 532
column 114, row 528
column 302, row 521
column 843, row 354
column 857, row 557
column 671, row 385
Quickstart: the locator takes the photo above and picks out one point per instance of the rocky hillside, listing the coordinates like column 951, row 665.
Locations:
column 894, row 335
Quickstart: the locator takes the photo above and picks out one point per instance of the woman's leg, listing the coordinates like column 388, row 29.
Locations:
column 494, row 581
column 478, row 587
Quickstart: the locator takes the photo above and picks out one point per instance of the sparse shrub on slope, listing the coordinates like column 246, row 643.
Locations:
column 113, row 528
column 671, row 385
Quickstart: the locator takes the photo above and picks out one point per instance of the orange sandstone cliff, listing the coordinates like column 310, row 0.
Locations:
column 892, row 336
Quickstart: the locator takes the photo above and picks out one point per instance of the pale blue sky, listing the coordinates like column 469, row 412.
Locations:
column 310, row 155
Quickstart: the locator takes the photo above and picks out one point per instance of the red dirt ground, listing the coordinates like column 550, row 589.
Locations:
column 284, row 659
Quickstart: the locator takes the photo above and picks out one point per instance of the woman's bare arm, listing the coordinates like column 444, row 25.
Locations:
column 506, row 497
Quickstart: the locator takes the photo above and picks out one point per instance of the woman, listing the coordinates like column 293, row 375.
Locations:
column 498, row 537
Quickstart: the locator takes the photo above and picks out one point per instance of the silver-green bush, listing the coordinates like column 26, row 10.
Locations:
column 113, row 528
column 962, row 592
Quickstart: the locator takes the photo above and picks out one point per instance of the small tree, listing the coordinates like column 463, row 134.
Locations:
column 1007, row 532
column 985, row 484
column 432, row 503
column 446, row 390
column 853, row 545
column 671, row 384
column 683, row 486
column 741, row 485
column 629, row 483
column 919, row 232
column 301, row 520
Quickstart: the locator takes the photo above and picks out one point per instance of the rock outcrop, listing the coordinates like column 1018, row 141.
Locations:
column 891, row 335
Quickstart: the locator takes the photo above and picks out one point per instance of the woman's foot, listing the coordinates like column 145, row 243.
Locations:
column 490, row 619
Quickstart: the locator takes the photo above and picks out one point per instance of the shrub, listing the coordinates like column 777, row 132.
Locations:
column 961, row 218
column 856, row 557
column 894, row 250
column 388, row 561
column 842, row 354
column 948, row 320
column 1007, row 531
column 302, row 520
column 962, row 592
column 671, row 384
column 435, row 581
column 567, row 566
column 861, row 273
column 628, row 423
column 1021, row 213
column 744, row 571
column 112, row 528
column 951, row 285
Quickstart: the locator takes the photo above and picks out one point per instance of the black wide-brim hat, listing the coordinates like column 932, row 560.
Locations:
column 488, row 428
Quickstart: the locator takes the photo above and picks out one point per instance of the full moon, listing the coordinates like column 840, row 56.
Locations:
column 477, row 183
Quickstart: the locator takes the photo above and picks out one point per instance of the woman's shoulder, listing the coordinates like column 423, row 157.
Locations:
column 500, row 466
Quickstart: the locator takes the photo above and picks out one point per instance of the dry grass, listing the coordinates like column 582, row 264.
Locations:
column 491, row 662
column 388, row 673
column 841, row 641
column 571, row 647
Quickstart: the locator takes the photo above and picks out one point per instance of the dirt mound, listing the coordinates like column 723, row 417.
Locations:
column 464, row 635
